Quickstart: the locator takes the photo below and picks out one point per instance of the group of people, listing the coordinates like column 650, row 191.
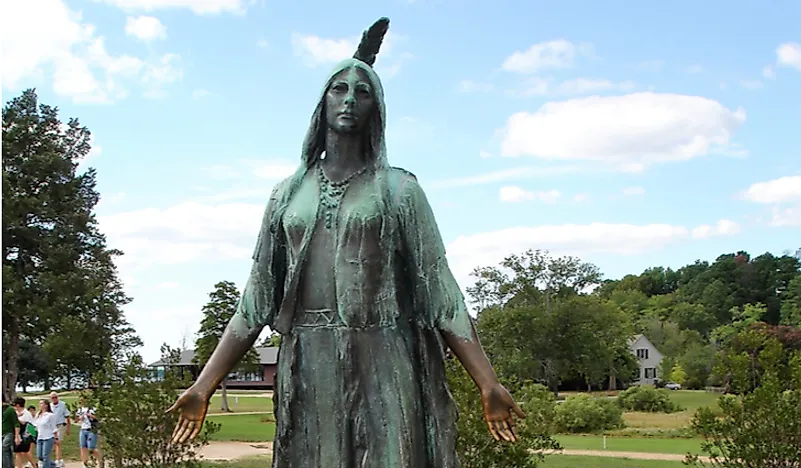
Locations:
column 43, row 430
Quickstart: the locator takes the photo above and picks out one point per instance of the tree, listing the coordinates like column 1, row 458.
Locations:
column 136, row 429
column 476, row 447
column 273, row 340
column 57, row 269
column 791, row 305
column 216, row 315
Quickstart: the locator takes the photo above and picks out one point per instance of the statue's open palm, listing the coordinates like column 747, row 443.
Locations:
column 498, row 408
column 192, row 406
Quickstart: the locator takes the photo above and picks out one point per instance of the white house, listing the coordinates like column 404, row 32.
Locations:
column 649, row 358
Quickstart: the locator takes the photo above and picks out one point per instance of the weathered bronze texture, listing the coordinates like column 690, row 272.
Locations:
column 350, row 268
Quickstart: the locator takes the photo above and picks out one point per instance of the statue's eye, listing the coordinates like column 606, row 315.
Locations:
column 340, row 87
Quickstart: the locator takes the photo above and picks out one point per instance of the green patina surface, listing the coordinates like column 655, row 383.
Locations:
column 366, row 386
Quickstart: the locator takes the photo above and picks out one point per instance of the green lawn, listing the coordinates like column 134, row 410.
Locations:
column 242, row 403
column 570, row 461
column 552, row 461
column 245, row 427
column 630, row 444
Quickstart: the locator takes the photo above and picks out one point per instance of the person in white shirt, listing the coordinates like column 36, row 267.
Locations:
column 47, row 428
column 62, row 414
column 24, row 451
column 88, row 435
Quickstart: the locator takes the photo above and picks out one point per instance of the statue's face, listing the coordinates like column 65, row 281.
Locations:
column 349, row 101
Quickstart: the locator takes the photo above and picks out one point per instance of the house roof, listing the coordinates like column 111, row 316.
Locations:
column 267, row 355
column 634, row 339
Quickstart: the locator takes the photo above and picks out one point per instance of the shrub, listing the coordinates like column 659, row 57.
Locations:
column 647, row 399
column 477, row 448
column 759, row 429
column 583, row 413
column 136, row 430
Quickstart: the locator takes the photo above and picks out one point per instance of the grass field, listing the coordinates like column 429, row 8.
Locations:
column 630, row 444
column 552, row 461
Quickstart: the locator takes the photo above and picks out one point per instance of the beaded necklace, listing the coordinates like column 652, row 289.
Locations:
column 331, row 193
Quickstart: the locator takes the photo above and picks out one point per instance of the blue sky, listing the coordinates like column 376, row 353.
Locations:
column 629, row 134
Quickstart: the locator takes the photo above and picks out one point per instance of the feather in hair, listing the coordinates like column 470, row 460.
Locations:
column 371, row 41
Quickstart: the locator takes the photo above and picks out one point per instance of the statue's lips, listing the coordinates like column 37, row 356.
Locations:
column 347, row 116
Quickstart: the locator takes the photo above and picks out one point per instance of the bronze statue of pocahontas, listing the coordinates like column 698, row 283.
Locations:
column 350, row 269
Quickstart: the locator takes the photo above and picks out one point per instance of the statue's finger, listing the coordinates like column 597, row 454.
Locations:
column 179, row 438
column 493, row 431
column 196, row 430
column 519, row 412
column 185, row 434
column 513, row 429
column 177, row 429
column 506, row 433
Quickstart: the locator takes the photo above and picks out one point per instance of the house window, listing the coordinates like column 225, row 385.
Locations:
column 642, row 353
column 650, row 373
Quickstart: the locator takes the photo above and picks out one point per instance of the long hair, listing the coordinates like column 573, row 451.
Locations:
column 314, row 144
column 47, row 408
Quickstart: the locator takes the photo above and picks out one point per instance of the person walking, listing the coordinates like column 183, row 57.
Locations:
column 88, row 435
column 24, row 450
column 47, row 433
column 63, row 422
column 10, row 433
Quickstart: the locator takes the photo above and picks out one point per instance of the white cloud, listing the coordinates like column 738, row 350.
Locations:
column 484, row 154
column 695, row 69
column 786, row 216
column 167, row 71
column 517, row 173
column 538, row 86
column 556, row 54
column 145, row 28
column 581, row 197
column 751, row 84
column 200, row 7
column 262, row 44
column 784, row 194
column 723, row 227
column 82, row 69
column 630, row 132
column 489, row 248
column 200, row 93
column 781, row 190
column 768, row 72
column 183, row 233
column 789, row 55
column 275, row 170
column 317, row 51
column 652, row 65
column 633, row 191
column 468, row 86
column 513, row 193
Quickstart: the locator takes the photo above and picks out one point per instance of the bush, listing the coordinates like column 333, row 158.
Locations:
column 477, row 448
column 136, row 430
column 647, row 399
column 583, row 413
column 759, row 429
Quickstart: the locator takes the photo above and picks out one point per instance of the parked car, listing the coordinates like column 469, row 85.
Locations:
column 673, row 386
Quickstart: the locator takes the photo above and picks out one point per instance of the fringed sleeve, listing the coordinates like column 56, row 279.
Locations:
column 435, row 292
column 264, row 288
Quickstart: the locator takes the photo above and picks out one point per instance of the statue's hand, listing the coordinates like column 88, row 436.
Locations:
column 192, row 406
column 498, row 408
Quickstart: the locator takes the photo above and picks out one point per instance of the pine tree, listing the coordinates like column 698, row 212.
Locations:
column 216, row 315
column 59, row 276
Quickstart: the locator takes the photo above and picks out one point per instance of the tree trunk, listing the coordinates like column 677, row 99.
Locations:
column 612, row 382
column 224, row 398
column 11, row 361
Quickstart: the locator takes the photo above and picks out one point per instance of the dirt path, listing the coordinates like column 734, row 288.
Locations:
column 234, row 450
column 632, row 455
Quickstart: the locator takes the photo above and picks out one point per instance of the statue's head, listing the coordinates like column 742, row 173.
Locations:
column 352, row 101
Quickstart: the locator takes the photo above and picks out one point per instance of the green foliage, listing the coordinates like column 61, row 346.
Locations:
column 59, row 278
column 678, row 374
column 216, row 315
column 135, row 428
column 647, row 399
column 583, row 413
column 762, row 428
column 476, row 446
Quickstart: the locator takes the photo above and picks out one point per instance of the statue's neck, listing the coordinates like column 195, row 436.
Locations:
column 344, row 155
